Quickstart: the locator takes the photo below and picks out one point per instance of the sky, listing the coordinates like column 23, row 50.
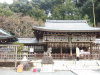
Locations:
column 7, row 1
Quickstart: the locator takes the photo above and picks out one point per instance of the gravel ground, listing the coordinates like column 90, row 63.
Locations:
column 13, row 72
column 98, row 70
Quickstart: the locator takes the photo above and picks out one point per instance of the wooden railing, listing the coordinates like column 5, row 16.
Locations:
column 12, row 57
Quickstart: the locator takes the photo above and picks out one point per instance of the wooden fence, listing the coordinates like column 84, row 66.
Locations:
column 11, row 54
column 82, row 56
column 12, row 57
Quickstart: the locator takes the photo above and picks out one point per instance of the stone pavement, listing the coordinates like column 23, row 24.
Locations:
column 13, row 72
column 71, row 64
column 86, row 72
column 78, row 67
column 65, row 67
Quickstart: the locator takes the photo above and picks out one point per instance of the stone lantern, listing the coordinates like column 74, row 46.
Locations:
column 24, row 60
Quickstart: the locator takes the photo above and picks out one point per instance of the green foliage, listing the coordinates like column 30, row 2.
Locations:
column 20, row 48
column 46, row 5
column 80, row 3
column 66, row 10
column 60, row 9
column 86, row 17
column 59, row 12
column 28, row 9
column 4, row 10
column 87, row 8
column 97, row 10
column 36, row 13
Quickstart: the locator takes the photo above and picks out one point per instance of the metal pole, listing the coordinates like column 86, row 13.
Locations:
column 93, row 14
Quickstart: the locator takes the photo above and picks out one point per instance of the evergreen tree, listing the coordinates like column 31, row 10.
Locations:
column 66, row 10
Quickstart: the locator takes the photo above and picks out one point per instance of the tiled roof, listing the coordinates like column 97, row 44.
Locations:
column 6, row 37
column 27, row 40
column 4, row 34
column 67, row 25
column 66, row 21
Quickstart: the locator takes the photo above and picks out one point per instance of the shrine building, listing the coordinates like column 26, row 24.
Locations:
column 63, row 36
column 6, row 37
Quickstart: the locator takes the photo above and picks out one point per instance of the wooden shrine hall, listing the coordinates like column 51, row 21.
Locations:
column 6, row 37
column 63, row 36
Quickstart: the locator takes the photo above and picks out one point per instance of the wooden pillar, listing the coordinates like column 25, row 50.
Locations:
column 61, row 50
column 70, row 48
column 16, row 57
column 47, row 45
column 90, row 50
column 70, row 45
column 99, row 50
